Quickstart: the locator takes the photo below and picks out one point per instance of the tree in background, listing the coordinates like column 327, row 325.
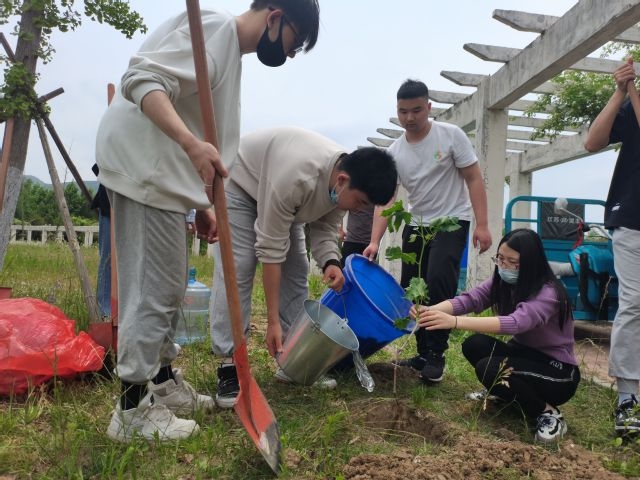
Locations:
column 38, row 19
column 37, row 206
column 579, row 96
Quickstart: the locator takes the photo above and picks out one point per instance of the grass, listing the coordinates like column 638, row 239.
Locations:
column 57, row 431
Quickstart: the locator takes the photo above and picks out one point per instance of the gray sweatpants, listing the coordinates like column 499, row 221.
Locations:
column 624, row 358
column 293, row 284
column 151, row 256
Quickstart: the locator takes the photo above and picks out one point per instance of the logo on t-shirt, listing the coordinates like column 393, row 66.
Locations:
column 437, row 156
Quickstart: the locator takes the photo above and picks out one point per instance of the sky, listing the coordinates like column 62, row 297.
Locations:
column 344, row 88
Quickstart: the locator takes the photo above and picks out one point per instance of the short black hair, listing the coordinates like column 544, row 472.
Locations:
column 412, row 89
column 304, row 14
column 372, row 171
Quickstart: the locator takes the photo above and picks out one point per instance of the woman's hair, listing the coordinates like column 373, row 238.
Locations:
column 534, row 273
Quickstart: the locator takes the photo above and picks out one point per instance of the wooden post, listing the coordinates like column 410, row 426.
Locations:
column 81, row 268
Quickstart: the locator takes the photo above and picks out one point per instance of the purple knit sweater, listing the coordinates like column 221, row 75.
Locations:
column 534, row 323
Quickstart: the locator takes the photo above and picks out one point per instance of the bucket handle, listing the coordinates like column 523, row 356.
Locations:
column 346, row 288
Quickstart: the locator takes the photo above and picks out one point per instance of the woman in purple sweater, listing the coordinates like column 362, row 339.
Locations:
column 536, row 367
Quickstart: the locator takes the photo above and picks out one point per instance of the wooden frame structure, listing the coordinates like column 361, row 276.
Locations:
column 490, row 114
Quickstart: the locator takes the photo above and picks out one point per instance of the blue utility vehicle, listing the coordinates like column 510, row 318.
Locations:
column 580, row 253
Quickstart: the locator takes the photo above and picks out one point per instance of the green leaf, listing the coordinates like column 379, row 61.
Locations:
column 396, row 207
column 417, row 292
column 402, row 323
column 396, row 253
column 444, row 224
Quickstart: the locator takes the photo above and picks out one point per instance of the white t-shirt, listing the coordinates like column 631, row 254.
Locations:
column 430, row 172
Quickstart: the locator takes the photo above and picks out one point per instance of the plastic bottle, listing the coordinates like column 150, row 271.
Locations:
column 193, row 324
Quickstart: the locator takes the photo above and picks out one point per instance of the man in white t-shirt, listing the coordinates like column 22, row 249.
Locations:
column 156, row 167
column 439, row 169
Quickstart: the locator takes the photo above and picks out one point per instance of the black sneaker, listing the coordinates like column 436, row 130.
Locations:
column 417, row 362
column 433, row 371
column 628, row 417
column 228, row 387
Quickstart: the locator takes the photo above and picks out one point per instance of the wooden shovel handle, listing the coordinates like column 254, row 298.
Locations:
column 219, row 199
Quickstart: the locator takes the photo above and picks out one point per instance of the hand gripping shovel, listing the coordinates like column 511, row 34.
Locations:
column 252, row 407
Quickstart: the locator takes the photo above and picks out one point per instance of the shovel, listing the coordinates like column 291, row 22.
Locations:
column 252, row 406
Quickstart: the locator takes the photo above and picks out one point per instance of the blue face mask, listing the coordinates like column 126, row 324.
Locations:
column 509, row 276
column 333, row 195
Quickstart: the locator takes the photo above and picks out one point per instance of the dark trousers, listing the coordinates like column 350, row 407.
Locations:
column 351, row 247
column 515, row 372
column 440, row 268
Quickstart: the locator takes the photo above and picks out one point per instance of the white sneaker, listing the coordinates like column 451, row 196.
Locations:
column 179, row 396
column 551, row 426
column 324, row 382
column 150, row 421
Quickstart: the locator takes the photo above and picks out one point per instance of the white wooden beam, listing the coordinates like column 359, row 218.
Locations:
column 463, row 79
column 561, row 150
column 446, row 97
column 524, row 105
column 513, row 134
column 533, row 122
column 462, row 113
column 523, row 21
column 522, row 146
column 390, row 132
column 537, row 23
column 474, row 79
column 584, row 28
column 492, row 53
column 380, row 142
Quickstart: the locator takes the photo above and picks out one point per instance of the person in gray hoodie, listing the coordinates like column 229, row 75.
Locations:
column 156, row 168
column 285, row 178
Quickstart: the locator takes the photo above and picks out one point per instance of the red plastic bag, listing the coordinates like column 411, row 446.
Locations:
column 38, row 342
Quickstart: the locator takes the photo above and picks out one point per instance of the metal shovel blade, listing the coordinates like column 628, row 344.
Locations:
column 255, row 413
column 252, row 407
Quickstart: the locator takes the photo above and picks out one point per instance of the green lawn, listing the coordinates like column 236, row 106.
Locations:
column 58, row 430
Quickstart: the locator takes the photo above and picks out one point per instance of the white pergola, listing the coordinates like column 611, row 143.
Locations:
column 492, row 115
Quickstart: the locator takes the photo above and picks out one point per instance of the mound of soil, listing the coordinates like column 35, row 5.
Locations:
column 459, row 455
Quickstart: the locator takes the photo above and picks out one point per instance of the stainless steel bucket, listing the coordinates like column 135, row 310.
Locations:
column 316, row 341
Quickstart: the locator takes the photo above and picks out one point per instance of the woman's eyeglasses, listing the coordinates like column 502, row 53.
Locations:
column 505, row 262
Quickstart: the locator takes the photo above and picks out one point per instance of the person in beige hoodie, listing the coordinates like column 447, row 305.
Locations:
column 156, row 168
column 285, row 178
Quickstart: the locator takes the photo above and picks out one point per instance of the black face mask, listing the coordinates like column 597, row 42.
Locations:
column 271, row 53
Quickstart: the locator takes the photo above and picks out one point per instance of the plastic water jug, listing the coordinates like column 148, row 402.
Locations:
column 193, row 324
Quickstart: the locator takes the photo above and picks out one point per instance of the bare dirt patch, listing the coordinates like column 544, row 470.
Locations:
column 476, row 458
column 456, row 454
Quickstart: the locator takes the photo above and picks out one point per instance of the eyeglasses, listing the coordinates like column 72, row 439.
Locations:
column 505, row 262
column 299, row 43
